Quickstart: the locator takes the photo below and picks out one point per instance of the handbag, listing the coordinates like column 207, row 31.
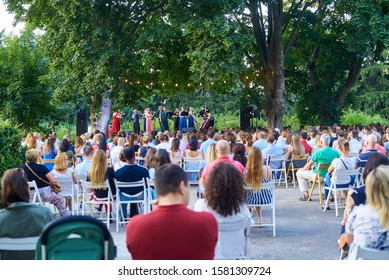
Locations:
column 54, row 186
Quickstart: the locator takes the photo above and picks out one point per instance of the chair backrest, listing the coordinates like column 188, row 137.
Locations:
column 229, row 233
column 122, row 186
column 66, row 184
column 36, row 197
column 365, row 253
column 139, row 160
column 18, row 244
column 192, row 164
column 338, row 173
column 322, row 166
column 75, row 238
column 17, row 248
column 276, row 162
column 88, row 188
column 295, row 158
column 43, row 161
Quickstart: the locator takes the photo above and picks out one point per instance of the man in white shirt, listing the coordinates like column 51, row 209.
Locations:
column 116, row 150
column 164, row 143
column 82, row 169
column 355, row 145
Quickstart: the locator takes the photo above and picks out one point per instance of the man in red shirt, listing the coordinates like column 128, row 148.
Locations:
column 303, row 140
column 172, row 231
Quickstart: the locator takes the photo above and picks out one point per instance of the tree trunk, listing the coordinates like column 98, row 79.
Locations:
column 275, row 91
column 106, row 107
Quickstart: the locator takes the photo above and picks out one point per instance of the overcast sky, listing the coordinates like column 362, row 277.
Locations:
column 6, row 21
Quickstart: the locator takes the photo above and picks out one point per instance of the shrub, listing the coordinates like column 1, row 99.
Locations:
column 11, row 152
column 352, row 117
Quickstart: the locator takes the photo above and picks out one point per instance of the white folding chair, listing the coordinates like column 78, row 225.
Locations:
column 35, row 197
column 192, row 166
column 269, row 186
column 365, row 253
column 280, row 171
column 335, row 187
column 150, row 185
column 138, row 198
column 18, row 244
column 139, row 160
column 89, row 199
column 228, row 247
column 69, row 190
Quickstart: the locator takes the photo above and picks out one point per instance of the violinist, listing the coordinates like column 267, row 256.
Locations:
column 136, row 116
column 116, row 116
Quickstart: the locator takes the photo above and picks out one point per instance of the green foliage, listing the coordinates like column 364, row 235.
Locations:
column 11, row 152
column 24, row 97
column 353, row 117
column 292, row 121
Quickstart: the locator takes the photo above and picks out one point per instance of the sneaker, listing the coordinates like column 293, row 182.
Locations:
column 303, row 198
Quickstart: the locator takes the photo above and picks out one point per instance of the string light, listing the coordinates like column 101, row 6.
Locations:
column 176, row 85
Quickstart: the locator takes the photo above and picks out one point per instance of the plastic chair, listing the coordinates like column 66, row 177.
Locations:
column 150, row 184
column 75, row 238
column 34, row 192
column 88, row 198
column 190, row 166
column 334, row 187
column 229, row 233
column 317, row 180
column 138, row 198
column 272, row 205
column 280, row 171
column 69, row 190
column 365, row 253
column 18, row 244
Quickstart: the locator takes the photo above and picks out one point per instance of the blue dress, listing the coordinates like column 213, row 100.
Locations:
column 190, row 120
column 51, row 155
column 182, row 120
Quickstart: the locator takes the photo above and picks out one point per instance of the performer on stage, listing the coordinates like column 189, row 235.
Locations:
column 204, row 122
column 116, row 116
column 203, row 111
column 149, row 120
column 158, row 114
column 144, row 119
column 176, row 118
column 136, row 116
column 183, row 116
column 191, row 119
column 164, row 119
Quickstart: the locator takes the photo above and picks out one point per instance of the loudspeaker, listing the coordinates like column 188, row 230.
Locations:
column 187, row 129
column 244, row 117
column 82, row 124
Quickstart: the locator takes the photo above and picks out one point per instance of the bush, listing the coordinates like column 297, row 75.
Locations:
column 352, row 117
column 11, row 152
column 293, row 121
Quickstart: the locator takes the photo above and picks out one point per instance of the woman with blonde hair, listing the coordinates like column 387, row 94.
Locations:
column 44, row 179
column 368, row 225
column 98, row 174
column 296, row 148
column 256, row 174
column 210, row 156
column 61, row 169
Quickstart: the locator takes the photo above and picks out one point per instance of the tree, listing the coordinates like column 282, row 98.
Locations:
column 24, row 94
column 341, row 37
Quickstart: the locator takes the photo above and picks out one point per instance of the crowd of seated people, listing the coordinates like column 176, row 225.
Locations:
column 247, row 151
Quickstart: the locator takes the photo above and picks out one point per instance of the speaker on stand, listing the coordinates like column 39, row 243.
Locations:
column 245, row 117
column 82, row 123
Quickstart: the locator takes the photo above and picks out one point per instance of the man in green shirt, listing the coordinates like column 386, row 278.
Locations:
column 324, row 155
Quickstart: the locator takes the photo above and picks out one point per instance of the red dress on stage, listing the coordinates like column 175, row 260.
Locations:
column 115, row 122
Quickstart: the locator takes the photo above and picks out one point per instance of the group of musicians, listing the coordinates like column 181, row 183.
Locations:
column 184, row 120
